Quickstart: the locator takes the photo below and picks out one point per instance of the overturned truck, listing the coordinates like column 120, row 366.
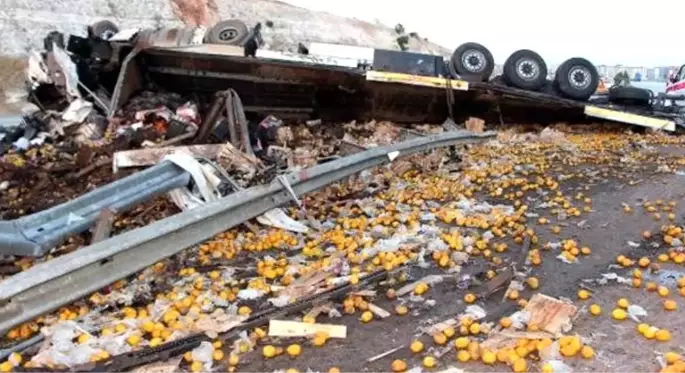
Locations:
column 346, row 82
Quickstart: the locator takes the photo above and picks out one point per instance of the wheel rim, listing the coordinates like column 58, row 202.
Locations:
column 228, row 34
column 579, row 77
column 473, row 61
column 105, row 35
column 527, row 69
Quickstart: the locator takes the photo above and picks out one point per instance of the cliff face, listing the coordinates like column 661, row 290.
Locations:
column 24, row 23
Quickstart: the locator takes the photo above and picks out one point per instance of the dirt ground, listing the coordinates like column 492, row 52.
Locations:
column 11, row 77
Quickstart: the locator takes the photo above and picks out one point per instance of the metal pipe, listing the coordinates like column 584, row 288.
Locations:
column 62, row 280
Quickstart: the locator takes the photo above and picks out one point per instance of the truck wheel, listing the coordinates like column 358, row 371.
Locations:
column 525, row 69
column 630, row 96
column 473, row 62
column 577, row 78
column 230, row 32
column 104, row 29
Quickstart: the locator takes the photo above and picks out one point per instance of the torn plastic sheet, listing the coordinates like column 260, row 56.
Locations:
column 207, row 183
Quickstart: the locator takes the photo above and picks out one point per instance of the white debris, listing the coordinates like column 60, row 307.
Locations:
column 558, row 366
column 633, row 244
column 566, row 260
column 280, row 301
column 635, row 311
column 250, row 294
column 475, row 312
column 519, row 319
column 611, row 276
column 203, row 353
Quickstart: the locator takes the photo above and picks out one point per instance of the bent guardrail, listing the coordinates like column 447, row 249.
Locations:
column 35, row 234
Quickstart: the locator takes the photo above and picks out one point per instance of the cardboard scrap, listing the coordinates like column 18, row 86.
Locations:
column 305, row 285
column 282, row 328
column 218, row 322
column 550, row 314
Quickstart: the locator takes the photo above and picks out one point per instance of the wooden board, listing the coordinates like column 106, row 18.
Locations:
column 282, row 328
column 426, row 81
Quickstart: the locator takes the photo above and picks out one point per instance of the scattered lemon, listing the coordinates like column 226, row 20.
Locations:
column 401, row 310
column 367, row 316
column 463, row 356
column 670, row 305
column 642, row 328
column 587, row 352
column 583, row 294
column 520, row 365
column 416, row 346
column 547, row 368
column 398, row 366
column 663, row 291
column 672, row 357
column 269, row 351
column 618, row 314
column 461, row 342
column 663, row 335
column 439, row 338
column 474, row 328
column 196, row 366
column 420, row 288
column 429, row 361
column 334, row 370
column 489, row 357
column 533, row 282
column 294, row 350
column 595, row 310
column 469, row 298
column 505, row 322
column 623, row 303
column 233, row 359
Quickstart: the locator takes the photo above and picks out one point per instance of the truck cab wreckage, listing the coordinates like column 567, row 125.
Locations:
column 373, row 83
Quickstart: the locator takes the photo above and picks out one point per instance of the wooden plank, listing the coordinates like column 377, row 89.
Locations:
column 426, row 81
column 378, row 311
column 282, row 328
column 151, row 156
column 629, row 118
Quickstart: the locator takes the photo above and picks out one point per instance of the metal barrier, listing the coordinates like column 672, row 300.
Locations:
column 35, row 234
column 65, row 279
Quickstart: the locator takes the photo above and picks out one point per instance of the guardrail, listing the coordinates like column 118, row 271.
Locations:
column 62, row 280
column 35, row 234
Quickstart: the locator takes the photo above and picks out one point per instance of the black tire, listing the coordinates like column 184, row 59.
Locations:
column 230, row 32
column 103, row 29
column 525, row 69
column 473, row 62
column 630, row 96
column 577, row 78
